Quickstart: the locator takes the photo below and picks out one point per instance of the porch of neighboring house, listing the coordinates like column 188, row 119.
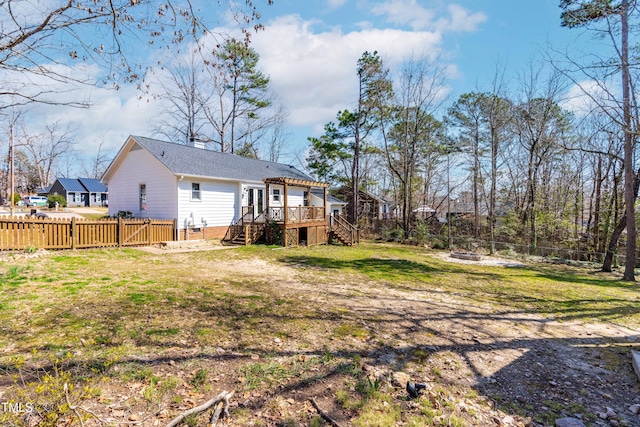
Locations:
column 294, row 217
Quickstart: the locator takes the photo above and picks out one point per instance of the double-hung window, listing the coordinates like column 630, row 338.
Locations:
column 195, row 191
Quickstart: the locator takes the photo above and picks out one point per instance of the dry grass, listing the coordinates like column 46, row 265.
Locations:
column 111, row 322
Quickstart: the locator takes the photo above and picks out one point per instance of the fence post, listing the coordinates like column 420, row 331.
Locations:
column 11, row 231
column 120, row 231
column 148, row 220
column 73, row 233
column 175, row 229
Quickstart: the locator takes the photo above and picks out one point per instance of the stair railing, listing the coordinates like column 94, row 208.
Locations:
column 345, row 229
column 255, row 229
column 236, row 228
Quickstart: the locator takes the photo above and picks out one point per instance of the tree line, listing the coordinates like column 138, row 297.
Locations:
column 533, row 169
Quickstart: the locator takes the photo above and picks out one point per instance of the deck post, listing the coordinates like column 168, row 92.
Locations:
column 286, row 205
column 268, row 196
column 176, row 234
column 324, row 192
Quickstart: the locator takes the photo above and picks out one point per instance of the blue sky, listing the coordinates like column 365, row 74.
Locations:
column 310, row 48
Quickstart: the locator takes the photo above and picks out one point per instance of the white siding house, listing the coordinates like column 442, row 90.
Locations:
column 156, row 183
column 206, row 203
column 205, row 191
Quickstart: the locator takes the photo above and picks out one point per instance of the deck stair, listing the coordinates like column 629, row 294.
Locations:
column 246, row 230
column 343, row 231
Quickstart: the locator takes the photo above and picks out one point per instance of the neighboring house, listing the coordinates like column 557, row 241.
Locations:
column 213, row 194
column 80, row 191
column 335, row 206
column 370, row 206
column 424, row 212
column 44, row 191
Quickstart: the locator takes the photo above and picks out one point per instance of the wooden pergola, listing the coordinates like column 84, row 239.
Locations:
column 311, row 218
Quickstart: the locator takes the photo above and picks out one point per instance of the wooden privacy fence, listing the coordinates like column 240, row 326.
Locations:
column 19, row 233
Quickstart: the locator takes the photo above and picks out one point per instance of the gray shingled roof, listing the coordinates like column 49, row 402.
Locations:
column 186, row 160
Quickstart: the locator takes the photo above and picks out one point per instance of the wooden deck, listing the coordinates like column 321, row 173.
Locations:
column 292, row 216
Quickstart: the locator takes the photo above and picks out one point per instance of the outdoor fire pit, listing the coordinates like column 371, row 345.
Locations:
column 469, row 256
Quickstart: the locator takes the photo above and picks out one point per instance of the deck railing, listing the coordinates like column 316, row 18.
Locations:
column 297, row 214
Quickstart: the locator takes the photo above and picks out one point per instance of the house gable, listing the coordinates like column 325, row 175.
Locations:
column 138, row 171
column 129, row 146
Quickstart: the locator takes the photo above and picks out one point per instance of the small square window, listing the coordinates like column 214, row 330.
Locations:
column 276, row 194
column 195, row 191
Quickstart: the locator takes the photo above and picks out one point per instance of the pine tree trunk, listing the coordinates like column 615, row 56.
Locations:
column 629, row 196
column 596, row 213
column 617, row 232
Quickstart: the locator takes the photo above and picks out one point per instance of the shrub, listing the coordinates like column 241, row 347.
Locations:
column 124, row 215
column 52, row 199
column 439, row 242
column 275, row 234
column 421, row 233
column 394, row 235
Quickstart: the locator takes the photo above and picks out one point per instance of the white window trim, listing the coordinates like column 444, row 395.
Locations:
column 199, row 199
column 141, row 203
column 276, row 197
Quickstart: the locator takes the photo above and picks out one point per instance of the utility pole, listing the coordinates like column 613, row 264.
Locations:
column 11, row 168
column 449, row 199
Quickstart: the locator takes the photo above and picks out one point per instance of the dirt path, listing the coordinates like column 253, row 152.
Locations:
column 520, row 360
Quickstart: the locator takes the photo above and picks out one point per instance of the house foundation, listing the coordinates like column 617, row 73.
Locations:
column 204, row 233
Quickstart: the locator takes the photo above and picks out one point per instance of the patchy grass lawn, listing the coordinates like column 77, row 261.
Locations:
column 140, row 337
column 566, row 292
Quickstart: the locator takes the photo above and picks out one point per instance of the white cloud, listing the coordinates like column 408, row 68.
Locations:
column 316, row 72
column 312, row 68
column 405, row 12
column 113, row 115
column 580, row 99
column 462, row 21
column 336, row 4
column 411, row 13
